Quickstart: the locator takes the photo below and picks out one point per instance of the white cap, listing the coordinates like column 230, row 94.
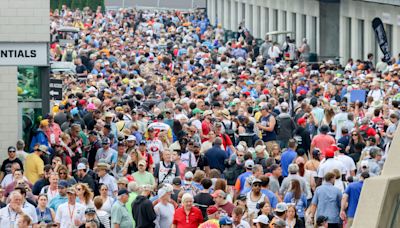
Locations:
column 188, row 175
column 131, row 138
column 81, row 166
column 364, row 163
column 262, row 219
column 249, row 164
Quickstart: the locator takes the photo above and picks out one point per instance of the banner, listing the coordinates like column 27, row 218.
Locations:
column 380, row 35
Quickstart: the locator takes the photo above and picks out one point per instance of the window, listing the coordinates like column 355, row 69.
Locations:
column 313, row 41
column 304, row 25
column 29, row 83
column 348, row 38
column 294, row 22
column 267, row 28
column 275, row 16
column 361, row 37
column 284, row 23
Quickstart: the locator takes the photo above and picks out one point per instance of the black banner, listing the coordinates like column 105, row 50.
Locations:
column 380, row 35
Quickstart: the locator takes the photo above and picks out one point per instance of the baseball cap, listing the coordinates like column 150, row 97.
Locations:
column 281, row 207
column 329, row 153
column 225, row 220
column 256, row 180
column 94, row 133
column 122, row 192
column 63, row 183
column 131, row 138
column 71, row 190
column 334, row 147
column 122, row 180
column 142, row 162
column 81, row 166
column 211, row 210
column 249, row 164
column 90, row 210
column 188, row 175
column 364, row 164
column 301, row 120
column 105, row 141
column 219, row 193
column 262, row 219
column 161, row 192
column 143, row 142
column 176, row 181
column 43, row 148
column 197, row 111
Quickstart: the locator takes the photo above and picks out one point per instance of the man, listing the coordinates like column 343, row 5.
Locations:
column 339, row 120
column 107, row 179
column 53, row 131
column 142, row 177
column 106, row 153
column 350, row 199
column 327, row 200
column 71, row 213
column 286, row 126
column 51, row 190
column 276, row 174
column 241, row 180
column 203, row 199
column 94, row 146
column 224, row 205
column 293, row 174
column 216, row 156
column 27, row 207
column 142, row 209
column 288, row 156
column 213, row 217
column 147, row 156
column 323, row 140
column 120, row 217
column 374, row 157
column 237, row 215
column 328, row 165
column 122, row 157
column 273, row 200
column 154, row 145
column 10, row 177
column 10, row 214
column 91, row 216
column 12, row 158
column 164, row 209
column 82, row 176
column 166, row 170
column 202, row 161
column 37, row 187
column 61, row 197
column 347, row 161
column 302, row 135
column 34, row 165
column 267, row 127
column 186, row 155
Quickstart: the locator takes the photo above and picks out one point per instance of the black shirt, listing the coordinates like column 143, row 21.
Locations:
column 8, row 161
column 202, row 161
column 203, row 201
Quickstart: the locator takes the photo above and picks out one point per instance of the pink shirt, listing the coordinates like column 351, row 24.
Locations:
column 322, row 142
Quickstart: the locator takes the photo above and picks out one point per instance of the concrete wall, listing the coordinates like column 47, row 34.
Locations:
column 20, row 21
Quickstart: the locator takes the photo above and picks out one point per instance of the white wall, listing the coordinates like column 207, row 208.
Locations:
column 20, row 21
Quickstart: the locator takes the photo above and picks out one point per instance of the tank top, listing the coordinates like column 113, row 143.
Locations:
column 44, row 216
column 252, row 205
column 267, row 135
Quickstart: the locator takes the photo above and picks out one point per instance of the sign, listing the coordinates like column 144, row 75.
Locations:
column 358, row 95
column 55, row 89
column 19, row 54
column 381, row 38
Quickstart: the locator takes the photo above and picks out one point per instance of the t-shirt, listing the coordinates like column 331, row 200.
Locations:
column 322, row 142
column 34, row 167
column 165, row 215
column 203, row 201
column 143, row 178
column 353, row 190
column 226, row 209
column 120, row 215
column 339, row 120
column 286, row 159
column 9, row 162
column 66, row 214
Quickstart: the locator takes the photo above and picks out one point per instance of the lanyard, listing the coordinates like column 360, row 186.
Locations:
column 71, row 213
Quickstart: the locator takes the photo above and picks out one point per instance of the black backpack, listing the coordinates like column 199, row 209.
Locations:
column 68, row 58
column 230, row 132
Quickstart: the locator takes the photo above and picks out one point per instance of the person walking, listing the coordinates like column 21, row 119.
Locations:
column 120, row 217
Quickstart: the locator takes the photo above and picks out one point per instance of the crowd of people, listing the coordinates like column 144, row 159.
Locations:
column 167, row 124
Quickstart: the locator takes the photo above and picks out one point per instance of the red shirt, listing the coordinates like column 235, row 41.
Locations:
column 226, row 141
column 369, row 130
column 322, row 142
column 193, row 220
column 206, row 128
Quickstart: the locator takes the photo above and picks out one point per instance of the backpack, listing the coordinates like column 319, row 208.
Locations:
column 277, row 125
column 68, row 58
column 230, row 132
column 364, row 133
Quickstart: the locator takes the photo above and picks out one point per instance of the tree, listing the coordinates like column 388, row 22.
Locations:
column 94, row 3
column 54, row 4
column 78, row 4
column 63, row 2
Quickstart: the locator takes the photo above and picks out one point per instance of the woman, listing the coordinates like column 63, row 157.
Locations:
column 276, row 153
column 266, row 210
column 355, row 138
column 132, row 164
column 313, row 164
column 297, row 198
column 24, row 221
column 63, row 173
column 107, row 201
column 254, row 198
column 241, row 202
column 103, row 216
column 84, row 194
column 198, row 176
column 45, row 215
column 308, row 177
column 187, row 216
column 220, row 184
column 292, row 220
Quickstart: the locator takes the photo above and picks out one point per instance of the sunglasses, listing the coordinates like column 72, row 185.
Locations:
column 78, row 189
column 240, row 155
column 11, row 151
column 256, row 185
column 61, row 173
column 355, row 135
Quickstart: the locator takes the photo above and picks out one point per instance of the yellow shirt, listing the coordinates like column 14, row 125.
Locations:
column 34, row 167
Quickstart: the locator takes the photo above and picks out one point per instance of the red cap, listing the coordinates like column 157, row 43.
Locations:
column 247, row 93
column 334, row 147
column 329, row 153
column 265, row 91
column 301, row 121
column 211, row 210
column 243, row 76
column 302, row 92
column 82, row 102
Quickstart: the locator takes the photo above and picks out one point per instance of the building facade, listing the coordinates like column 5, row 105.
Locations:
column 21, row 21
column 333, row 28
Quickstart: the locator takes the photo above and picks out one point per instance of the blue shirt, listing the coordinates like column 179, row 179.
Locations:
column 300, row 204
column 57, row 201
column 353, row 190
column 286, row 159
column 216, row 158
column 273, row 200
column 242, row 179
column 327, row 199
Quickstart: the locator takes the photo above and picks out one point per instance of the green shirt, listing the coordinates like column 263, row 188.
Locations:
column 128, row 205
column 121, row 216
column 144, row 178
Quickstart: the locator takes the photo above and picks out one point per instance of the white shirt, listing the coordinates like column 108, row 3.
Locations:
column 110, row 182
column 348, row 163
column 339, row 121
column 8, row 179
column 155, row 147
column 328, row 165
column 8, row 218
column 30, row 210
column 67, row 214
column 50, row 193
